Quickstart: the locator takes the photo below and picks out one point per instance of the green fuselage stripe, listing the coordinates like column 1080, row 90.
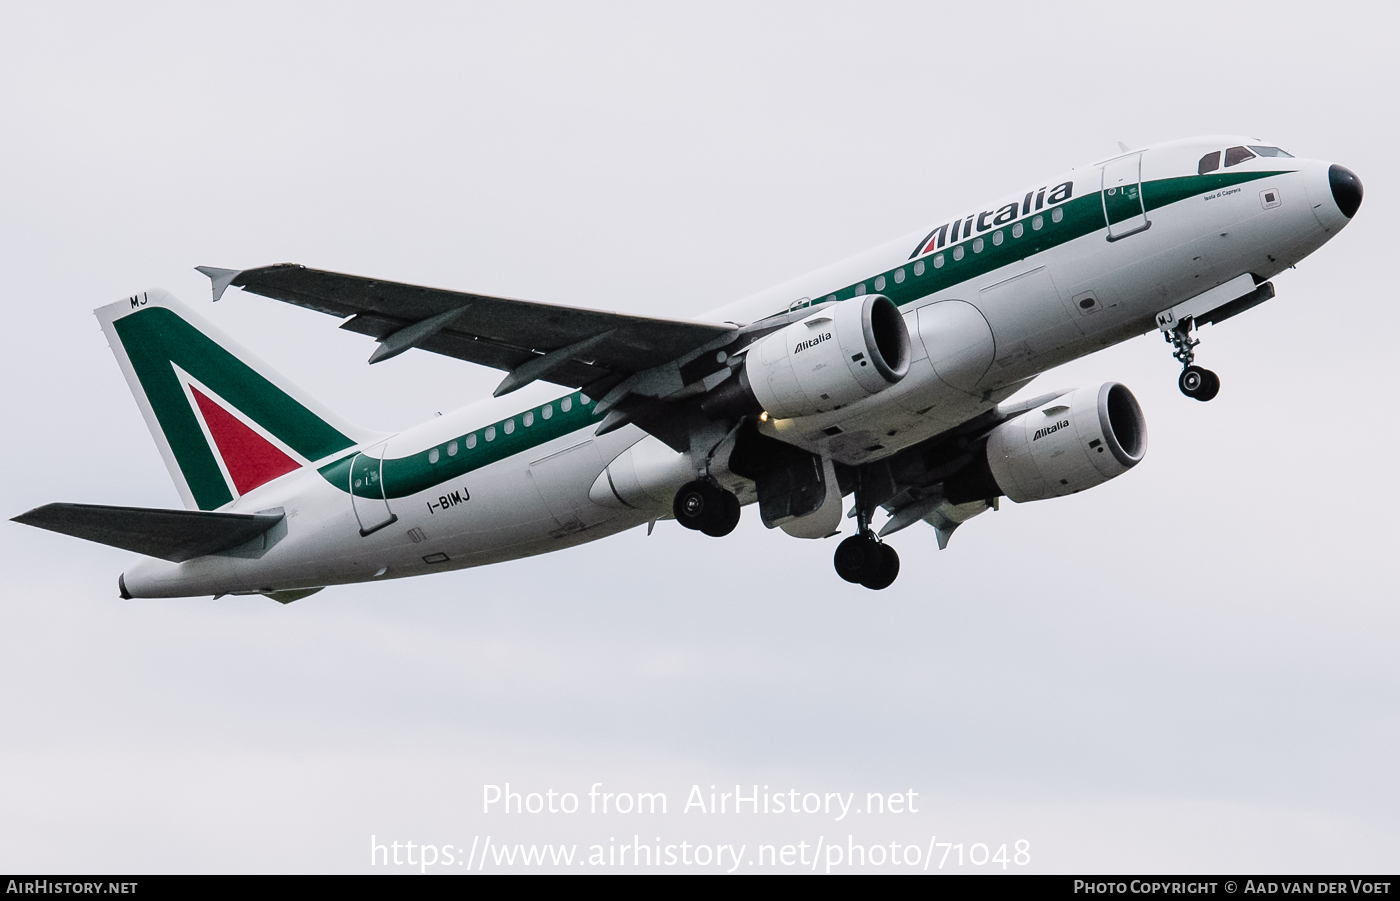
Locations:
column 1082, row 216
column 452, row 459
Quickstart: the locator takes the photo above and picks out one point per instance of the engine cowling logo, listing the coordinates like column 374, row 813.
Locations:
column 810, row 343
column 1051, row 429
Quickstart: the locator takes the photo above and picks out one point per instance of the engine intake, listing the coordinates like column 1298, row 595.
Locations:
column 1074, row 442
column 832, row 358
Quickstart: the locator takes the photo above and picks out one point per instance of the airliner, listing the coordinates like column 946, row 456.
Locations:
column 886, row 378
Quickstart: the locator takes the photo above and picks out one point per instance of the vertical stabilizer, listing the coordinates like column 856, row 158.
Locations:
column 224, row 421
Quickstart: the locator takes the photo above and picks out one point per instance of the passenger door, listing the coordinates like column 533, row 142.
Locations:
column 1123, row 208
column 367, row 490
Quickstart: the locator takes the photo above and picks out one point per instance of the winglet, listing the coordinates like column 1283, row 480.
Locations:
column 221, row 278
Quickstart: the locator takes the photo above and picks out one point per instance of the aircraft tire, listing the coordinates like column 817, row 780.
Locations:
column 858, row 558
column 1212, row 386
column 699, row 505
column 1199, row 384
column 732, row 512
column 885, row 574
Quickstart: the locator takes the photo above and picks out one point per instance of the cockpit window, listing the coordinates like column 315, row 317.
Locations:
column 1236, row 155
column 1271, row 151
column 1209, row 163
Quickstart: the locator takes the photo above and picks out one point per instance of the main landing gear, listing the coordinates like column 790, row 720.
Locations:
column 863, row 558
column 704, row 506
column 1195, row 382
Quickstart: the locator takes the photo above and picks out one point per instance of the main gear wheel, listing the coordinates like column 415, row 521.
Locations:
column 705, row 507
column 864, row 560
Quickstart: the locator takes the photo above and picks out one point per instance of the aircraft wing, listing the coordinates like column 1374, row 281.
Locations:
column 566, row 345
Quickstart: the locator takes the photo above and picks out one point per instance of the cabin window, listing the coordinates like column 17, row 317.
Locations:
column 1038, row 223
column 958, row 252
column 490, row 433
column 1057, row 214
column 452, row 448
column 433, row 455
column 879, row 283
column 938, row 261
column 1209, row 163
column 548, row 411
column 919, row 266
column 1236, row 155
column 528, row 418
column 1018, row 230
column 860, row 290
column 471, row 441
column 1271, row 151
column 997, row 238
column 510, row 426
column 566, row 404
column 977, row 245
column 899, row 276
column 583, row 399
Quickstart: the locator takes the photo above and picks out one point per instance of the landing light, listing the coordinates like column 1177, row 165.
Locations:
column 763, row 417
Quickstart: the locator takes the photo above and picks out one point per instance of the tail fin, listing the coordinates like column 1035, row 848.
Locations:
column 224, row 421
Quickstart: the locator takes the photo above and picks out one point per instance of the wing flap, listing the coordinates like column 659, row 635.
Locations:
column 174, row 535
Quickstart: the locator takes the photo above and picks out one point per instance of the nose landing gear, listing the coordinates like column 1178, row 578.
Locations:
column 1195, row 382
column 704, row 506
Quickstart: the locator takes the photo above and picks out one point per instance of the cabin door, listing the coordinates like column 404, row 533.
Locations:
column 367, row 490
column 1123, row 206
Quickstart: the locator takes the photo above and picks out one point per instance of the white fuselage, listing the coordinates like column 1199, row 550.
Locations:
column 1015, row 312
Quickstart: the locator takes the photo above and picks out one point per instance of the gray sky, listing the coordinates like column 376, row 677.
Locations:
column 1191, row 668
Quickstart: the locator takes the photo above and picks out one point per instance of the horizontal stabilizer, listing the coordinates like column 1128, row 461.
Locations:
column 174, row 535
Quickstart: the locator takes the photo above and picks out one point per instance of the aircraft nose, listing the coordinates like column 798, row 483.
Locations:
column 1346, row 189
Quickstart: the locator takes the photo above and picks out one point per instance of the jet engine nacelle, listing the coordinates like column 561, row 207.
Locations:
column 834, row 357
column 1076, row 441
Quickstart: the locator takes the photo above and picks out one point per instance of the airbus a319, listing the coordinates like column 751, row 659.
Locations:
column 884, row 378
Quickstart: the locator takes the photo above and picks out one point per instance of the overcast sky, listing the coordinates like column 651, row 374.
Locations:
column 1191, row 668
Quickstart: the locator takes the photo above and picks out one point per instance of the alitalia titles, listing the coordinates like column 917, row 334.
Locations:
column 1051, row 429
column 811, row 342
column 987, row 220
